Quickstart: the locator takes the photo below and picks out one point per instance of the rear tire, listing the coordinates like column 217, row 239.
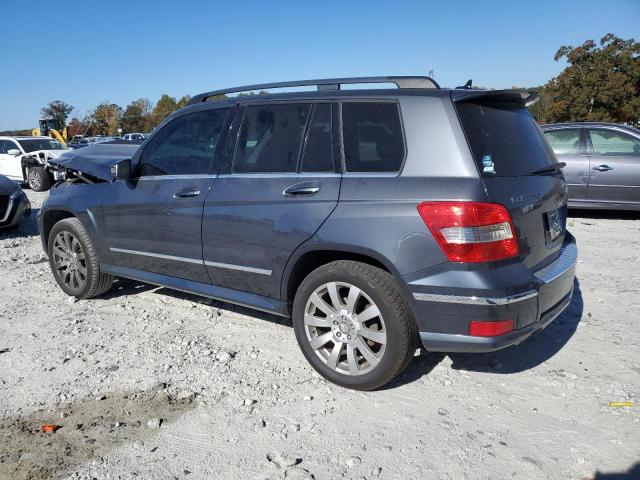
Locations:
column 38, row 179
column 353, row 324
column 74, row 262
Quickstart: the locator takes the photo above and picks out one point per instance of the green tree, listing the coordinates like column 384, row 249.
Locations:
column 136, row 116
column 57, row 110
column 165, row 107
column 184, row 100
column 106, row 118
column 601, row 83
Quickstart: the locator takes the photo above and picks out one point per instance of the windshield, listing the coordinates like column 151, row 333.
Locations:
column 504, row 138
column 34, row 144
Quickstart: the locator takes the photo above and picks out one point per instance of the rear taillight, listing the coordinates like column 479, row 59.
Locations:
column 471, row 231
column 490, row 329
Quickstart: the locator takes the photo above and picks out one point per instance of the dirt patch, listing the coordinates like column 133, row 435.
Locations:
column 91, row 428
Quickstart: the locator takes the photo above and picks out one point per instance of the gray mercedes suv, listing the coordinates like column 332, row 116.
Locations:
column 378, row 219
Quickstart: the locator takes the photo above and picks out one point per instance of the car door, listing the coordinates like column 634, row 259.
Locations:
column 153, row 222
column 10, row 165
column 614, row 157
column 279, row 185
column 569, row 146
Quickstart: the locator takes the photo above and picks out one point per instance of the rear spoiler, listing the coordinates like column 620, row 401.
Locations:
column 521, row 96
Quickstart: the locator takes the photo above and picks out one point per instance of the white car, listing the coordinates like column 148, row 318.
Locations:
column 134, row 136
column 24, row 159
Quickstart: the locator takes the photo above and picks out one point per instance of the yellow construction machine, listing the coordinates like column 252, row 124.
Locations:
column 51, row 128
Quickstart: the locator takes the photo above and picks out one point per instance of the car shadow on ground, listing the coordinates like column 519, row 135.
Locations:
column 604, row 214
column 535, row 350
column 28, row 227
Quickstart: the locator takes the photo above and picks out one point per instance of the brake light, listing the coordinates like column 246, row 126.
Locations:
column 490, row 329
column 471, row 231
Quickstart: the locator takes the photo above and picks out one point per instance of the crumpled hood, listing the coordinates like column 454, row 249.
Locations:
column 95, row 160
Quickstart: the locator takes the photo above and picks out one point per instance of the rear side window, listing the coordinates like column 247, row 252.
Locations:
column 318, row 152
column 373, row 140
column 504, row 139
column 565, row 141
column 271, row 138
column 185, row 146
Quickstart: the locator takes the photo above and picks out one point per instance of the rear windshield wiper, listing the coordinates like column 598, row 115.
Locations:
column 549, row 168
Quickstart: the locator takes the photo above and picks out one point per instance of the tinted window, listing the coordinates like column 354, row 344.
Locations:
column 270, row 138
column 185, row 146
column 505, row 140
column 610, row 142
column 373, row 139
column 34, row 144
column 318, row 153
column 565, row 141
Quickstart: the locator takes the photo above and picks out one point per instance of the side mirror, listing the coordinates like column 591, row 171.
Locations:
column 14, row 151
column 121, row 170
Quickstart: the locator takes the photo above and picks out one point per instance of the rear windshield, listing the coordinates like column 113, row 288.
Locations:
column 505, row 140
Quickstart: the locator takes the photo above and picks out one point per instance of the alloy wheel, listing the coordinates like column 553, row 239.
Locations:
column 69, row 260
column 345, row 328
column 34, row 180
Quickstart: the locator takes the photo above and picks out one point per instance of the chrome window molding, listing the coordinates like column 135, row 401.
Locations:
column 474, row 300
column 228, row 266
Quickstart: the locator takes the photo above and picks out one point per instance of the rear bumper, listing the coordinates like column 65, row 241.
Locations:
column 531, row 299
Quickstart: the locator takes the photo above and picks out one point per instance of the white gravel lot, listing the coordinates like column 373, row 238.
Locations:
column 154, row 384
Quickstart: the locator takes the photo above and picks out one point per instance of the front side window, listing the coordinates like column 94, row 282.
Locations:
column 565, row 141
column 34, row 144
column 185, row 146
column 613, row 143
column 270, row 138
column 373, row 140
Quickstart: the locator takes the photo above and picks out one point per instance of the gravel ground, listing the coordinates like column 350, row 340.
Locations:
column 154, row 384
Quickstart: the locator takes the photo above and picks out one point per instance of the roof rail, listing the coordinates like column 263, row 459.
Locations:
column 323, row 84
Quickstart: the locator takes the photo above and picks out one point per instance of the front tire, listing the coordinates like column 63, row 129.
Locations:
column 74, row 262
column 38, row 179
column 353, row 324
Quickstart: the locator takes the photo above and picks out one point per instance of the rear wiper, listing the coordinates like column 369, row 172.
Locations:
column 549, row 168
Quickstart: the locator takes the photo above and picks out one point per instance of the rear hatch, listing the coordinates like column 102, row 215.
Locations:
column 518, row 168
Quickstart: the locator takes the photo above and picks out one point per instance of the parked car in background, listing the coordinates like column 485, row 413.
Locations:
column 375, row 218
column 14, row 204
column 134, row 136
column 25, row 159
column 603, row 163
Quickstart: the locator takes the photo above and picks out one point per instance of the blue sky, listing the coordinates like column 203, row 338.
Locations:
column 87, row 52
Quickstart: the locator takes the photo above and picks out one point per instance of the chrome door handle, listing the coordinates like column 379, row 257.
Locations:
column 187, row 194
column 603, row 168
column 300, row 191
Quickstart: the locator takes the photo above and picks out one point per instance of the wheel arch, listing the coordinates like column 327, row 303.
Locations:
column 306, row 260
column 49, row 219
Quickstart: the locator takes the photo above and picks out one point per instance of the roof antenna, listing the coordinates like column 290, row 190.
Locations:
column 467, row 86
